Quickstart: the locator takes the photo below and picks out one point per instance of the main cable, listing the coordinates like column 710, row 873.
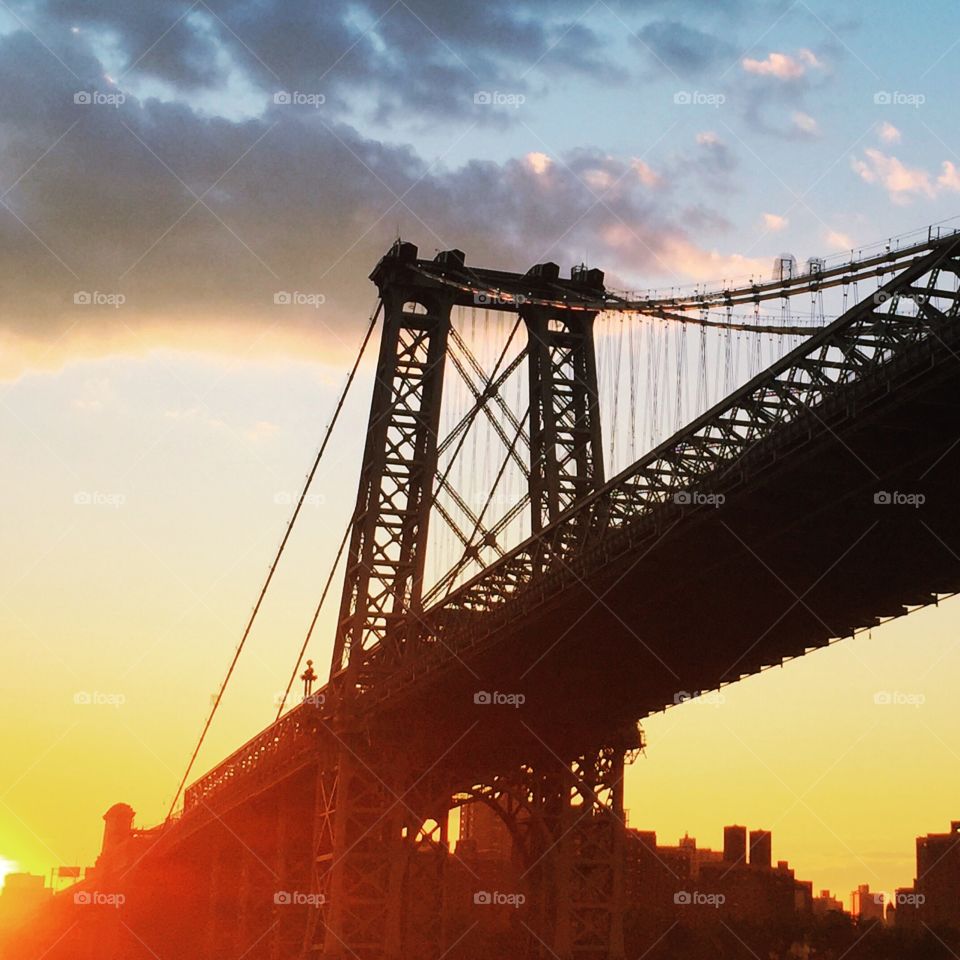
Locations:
column 276, row 559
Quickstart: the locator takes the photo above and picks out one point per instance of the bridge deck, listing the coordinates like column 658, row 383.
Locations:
column 651, row 588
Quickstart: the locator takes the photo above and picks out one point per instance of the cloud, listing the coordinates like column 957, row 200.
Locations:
column 783, row 66
column 682, row 50
column 698, row 264
column 804, row 124
column 901, row 182
column 645, row 174
column 837, row 240
column 774, row 222
column 539, row 163
column 888, row 133
column 198, row 223
column 416, row 58
column 949, row 178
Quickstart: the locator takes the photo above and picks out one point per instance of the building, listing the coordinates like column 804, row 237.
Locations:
column 934, row 898
column 690, row 883
column 761, row 848
column 866, row 905
column 483, row 832
column 22, row 895
column 826, row 903
column 938, row 877
column 735, row 844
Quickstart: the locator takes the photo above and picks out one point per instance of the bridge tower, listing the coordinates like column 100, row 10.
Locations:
column 384, row 578
column 566, row 447
column 364, row 838
column 378, row 835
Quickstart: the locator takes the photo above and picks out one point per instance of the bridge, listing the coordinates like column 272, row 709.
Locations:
column 813, row 500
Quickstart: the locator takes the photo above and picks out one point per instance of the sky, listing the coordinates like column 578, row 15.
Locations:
column 167, row 170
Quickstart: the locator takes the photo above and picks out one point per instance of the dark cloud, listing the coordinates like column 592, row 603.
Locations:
column 410, row 55
column 194, row 219
column 682, row 49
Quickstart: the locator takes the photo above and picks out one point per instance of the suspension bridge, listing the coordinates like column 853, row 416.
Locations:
column 574, row 504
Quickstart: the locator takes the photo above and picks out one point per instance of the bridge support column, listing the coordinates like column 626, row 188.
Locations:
column 363, row 878
column 380, row 856
column 384, row 577
column 570, row 828
column 566, row 448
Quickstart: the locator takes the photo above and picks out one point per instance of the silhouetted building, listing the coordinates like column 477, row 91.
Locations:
column 483, row 832
column 696, row 886
column 22, row 894
column 735, row 844
column 866, row 905
column 938, row 877
column 761, row 853
column 826, row 903
column 934, row 898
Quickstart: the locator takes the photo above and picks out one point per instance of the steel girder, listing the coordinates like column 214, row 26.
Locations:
column 568, row 828
column 566, row 448
column 384, row 577
column 864, row 342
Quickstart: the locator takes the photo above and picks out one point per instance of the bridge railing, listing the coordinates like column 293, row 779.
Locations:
column 293, row 736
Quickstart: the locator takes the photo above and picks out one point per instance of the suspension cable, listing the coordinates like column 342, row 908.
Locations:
column 313, row 622
column 276, row 559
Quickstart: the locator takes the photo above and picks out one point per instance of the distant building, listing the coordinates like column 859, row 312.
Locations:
column 691, row 883
column 735, row 844
column 761, row 848
column 22, row 895
column 483, row 832
column 866, row 905
column 934, row 898
column 826, row 903
column 938, row 877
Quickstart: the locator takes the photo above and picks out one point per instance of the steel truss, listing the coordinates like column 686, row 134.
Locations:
column 566, row 448
column 568, row 827
column 384, row 578
column 908, row 310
